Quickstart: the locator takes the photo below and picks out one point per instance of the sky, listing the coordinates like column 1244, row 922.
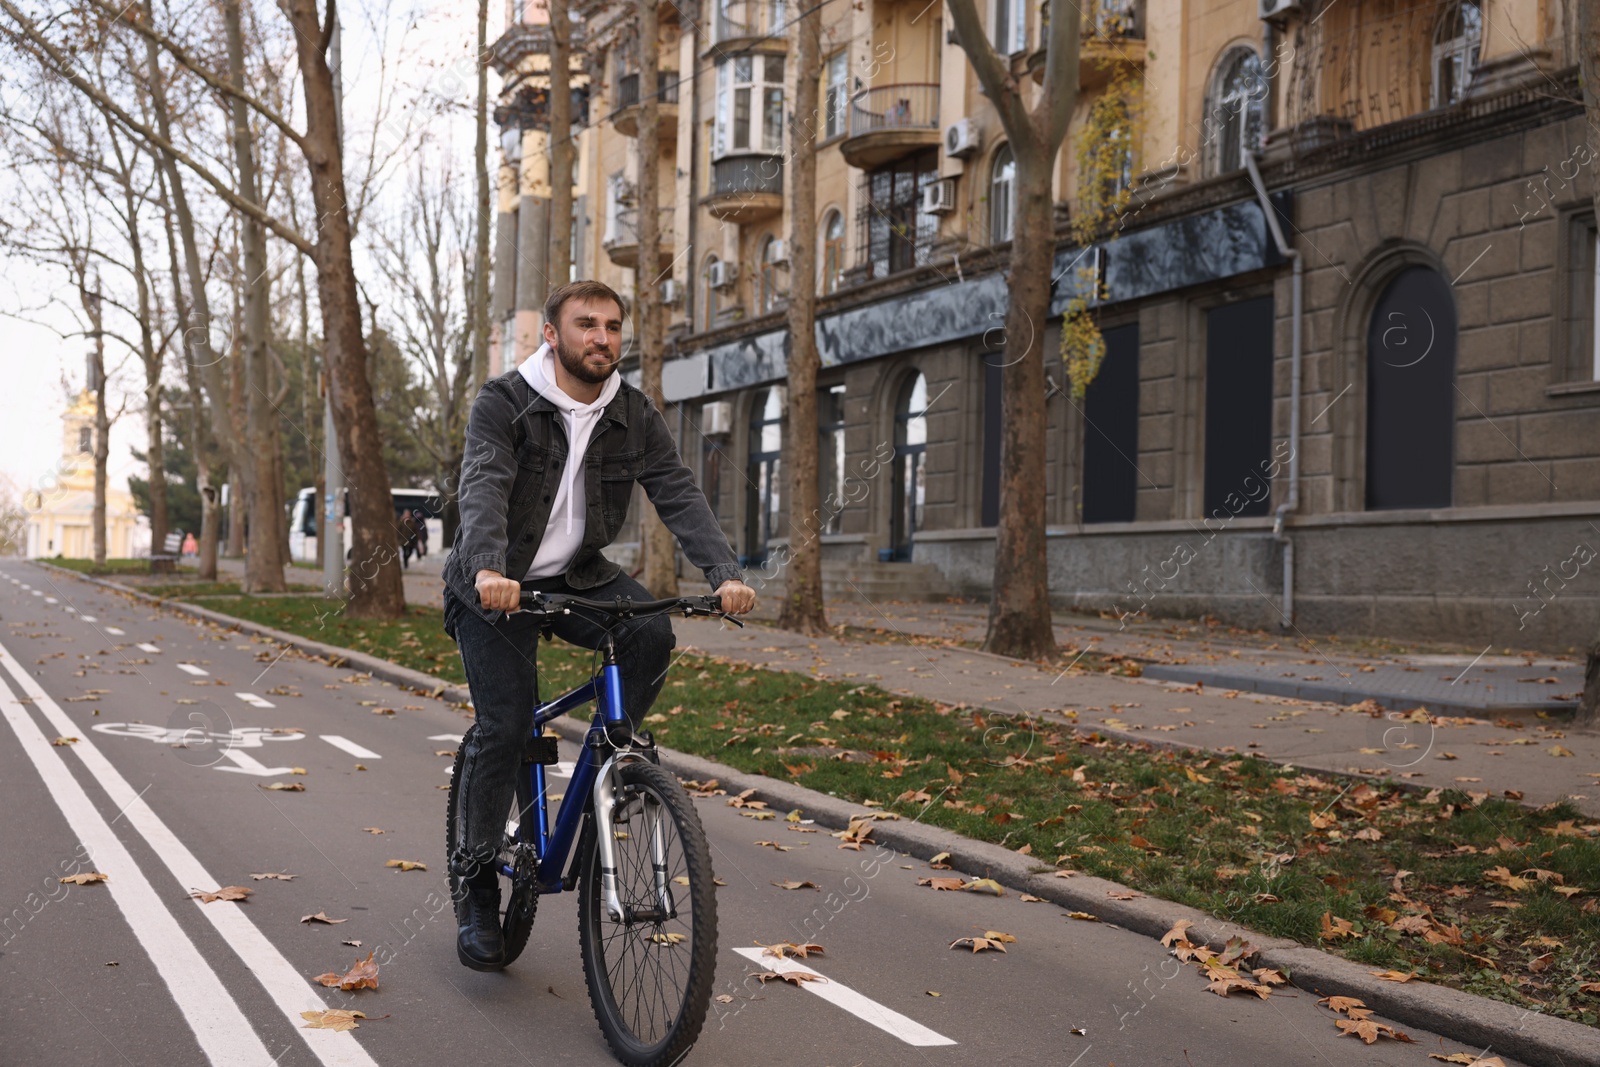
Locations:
column 35, row 360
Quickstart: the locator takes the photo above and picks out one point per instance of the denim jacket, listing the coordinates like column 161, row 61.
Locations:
column 516, row 451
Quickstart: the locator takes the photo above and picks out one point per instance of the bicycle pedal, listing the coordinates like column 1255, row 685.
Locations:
column 541, row 749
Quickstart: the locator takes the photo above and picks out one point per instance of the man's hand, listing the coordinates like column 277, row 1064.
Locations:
column 497, row 592
column 737, row 598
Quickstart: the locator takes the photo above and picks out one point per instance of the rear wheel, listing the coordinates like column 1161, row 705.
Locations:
column 650, row 973
column 519, row 895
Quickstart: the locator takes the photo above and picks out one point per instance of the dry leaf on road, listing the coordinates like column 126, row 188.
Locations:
column 286, row 787
column 791, row 884
column 977, row 944
column 407, row 865
column 321, row 917
column 273, row 875
column 783, row 948
column 86, row 878
column 364, row 975
column 372, row 829
column 332, row 1019
column 792, row 977
column 943, row 883
column 227, row 892
column 1394, row 976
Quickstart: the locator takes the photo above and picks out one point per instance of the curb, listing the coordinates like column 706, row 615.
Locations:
column 1463, row 1017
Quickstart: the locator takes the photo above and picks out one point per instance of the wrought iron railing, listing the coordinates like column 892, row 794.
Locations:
column 628, row 88
column 750, row 18
column 623, row 228
column 747, row 174
column 909, row 105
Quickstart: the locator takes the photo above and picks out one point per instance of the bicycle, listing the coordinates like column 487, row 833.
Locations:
column 646, row 905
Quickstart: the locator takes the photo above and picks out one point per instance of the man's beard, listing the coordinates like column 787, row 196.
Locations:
column 574, row 364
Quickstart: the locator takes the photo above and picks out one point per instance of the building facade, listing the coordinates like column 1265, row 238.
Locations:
column 60, row 506
column 1375, row 409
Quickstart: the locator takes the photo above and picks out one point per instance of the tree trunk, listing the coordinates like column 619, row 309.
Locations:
column 1588, row 717
column 563, row 152
column 1019, row 610
column 803, row 609
column 102, row 425
column 155, row 452
column 257, row 464
column 478, row 298
column 660, row 553
column 376, row 588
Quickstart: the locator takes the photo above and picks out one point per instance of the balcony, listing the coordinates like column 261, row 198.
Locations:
column 628, row 108
column 621, row 239
column 890, row 121
column 743, row 22
column 1112, row 33
column 746, row 188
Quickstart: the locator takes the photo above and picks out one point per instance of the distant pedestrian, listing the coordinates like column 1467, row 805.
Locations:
column 421, row 518
column 190, row 546
column 408, row 537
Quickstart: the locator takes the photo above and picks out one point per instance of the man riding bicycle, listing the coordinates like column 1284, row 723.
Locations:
column 553, row 450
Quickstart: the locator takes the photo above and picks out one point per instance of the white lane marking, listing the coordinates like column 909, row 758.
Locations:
column 109, row 629
column 51, row 600
column 91, row 618
column 190, row 668
column 145, row 646
column 283, row 982
column 255, row 701
column 246, row 764
column 36, row 592
column 446, row 737
column 72, row 609
column 561, row 770
column 842, row 996
column 222, row 1030
column 349, row 746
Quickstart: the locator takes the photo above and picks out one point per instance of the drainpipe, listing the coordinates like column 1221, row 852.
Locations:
column 1279, row 533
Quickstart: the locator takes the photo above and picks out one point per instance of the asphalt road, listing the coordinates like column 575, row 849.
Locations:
column 135, row 971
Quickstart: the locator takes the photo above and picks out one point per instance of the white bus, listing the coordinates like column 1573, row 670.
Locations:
column 307, row 513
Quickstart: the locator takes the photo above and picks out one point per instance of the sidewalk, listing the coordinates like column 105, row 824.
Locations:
column 1194, row 693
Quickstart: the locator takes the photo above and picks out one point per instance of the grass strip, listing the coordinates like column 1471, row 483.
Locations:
column 1454, row 887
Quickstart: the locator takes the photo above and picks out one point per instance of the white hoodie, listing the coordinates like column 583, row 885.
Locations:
column 564, row 534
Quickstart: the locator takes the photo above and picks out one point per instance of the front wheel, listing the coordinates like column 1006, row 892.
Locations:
column 650, row 974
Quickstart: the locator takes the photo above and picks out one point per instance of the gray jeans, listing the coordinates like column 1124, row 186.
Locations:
column 501, row 672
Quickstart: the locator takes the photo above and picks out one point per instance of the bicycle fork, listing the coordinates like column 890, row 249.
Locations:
column 607, row 786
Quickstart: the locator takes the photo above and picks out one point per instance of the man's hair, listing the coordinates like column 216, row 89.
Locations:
column 579, row 290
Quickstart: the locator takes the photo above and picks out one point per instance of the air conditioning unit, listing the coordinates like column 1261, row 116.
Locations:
column 1272, row 9
column 961, row 137
column 723, row 275
column 669, row 293
column 939, row 198
column 716, row 418
column 777, row 254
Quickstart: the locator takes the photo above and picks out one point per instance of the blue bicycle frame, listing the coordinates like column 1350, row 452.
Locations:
column 606, row 688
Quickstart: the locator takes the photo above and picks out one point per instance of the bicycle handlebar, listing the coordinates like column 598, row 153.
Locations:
column 624, row 607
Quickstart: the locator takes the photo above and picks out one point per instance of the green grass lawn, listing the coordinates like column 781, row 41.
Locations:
column 113, row 566
column 1458, row 888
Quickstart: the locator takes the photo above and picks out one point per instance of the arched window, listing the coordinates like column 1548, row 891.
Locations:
column 1002, row 187
column 1455, row 51
column 1411, row 392
column 768, row 296
column 832, row 252
column 764, row 493
column 910, row 444
column 1236, row 118
column 710, row 308
column 85, row 439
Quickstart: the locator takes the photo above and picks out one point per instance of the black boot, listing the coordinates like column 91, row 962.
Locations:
column 480, row 943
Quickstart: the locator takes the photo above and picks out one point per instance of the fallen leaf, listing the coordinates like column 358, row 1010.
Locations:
column 1469, row 1059
column 977, row 944
column 1334, row 928
column 660, row 938
column 1369, row 1031
column 775, row 845
column 86, row 878
column 273, row 875
column 943, row 883
column 289, row 787
column 792, row 977
column 354, row 944
column 321, row 917
column 1085, row 916
column 1342, row 1004
column 407, row 865
column 1394, row 976
column 988, row 885
column 783, row 948
column 996, row 935
column 1123, row 894
column 791, row 884
column 364, row 975
column 64, row 741
column 372, row 829
column 227, row 892
column 1029, row 898
column 931, row 993
column 332, row 1019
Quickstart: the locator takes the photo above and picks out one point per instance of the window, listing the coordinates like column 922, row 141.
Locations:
column 616, row 192
column 767, row 297
column 1002, row 194
column 1010, row 26
column 836, row 94
column 1411, row 392
column 1236, row 118
column 910, row 474
column 764, row 492
column 832, row 252
column 85, row 439
column 1111, row 431
column 1238, row 407
column 1455, row 51
column 712, row 302
column 749, row 105
column 895, row 232
column 830, row 458
column 1582, row 300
